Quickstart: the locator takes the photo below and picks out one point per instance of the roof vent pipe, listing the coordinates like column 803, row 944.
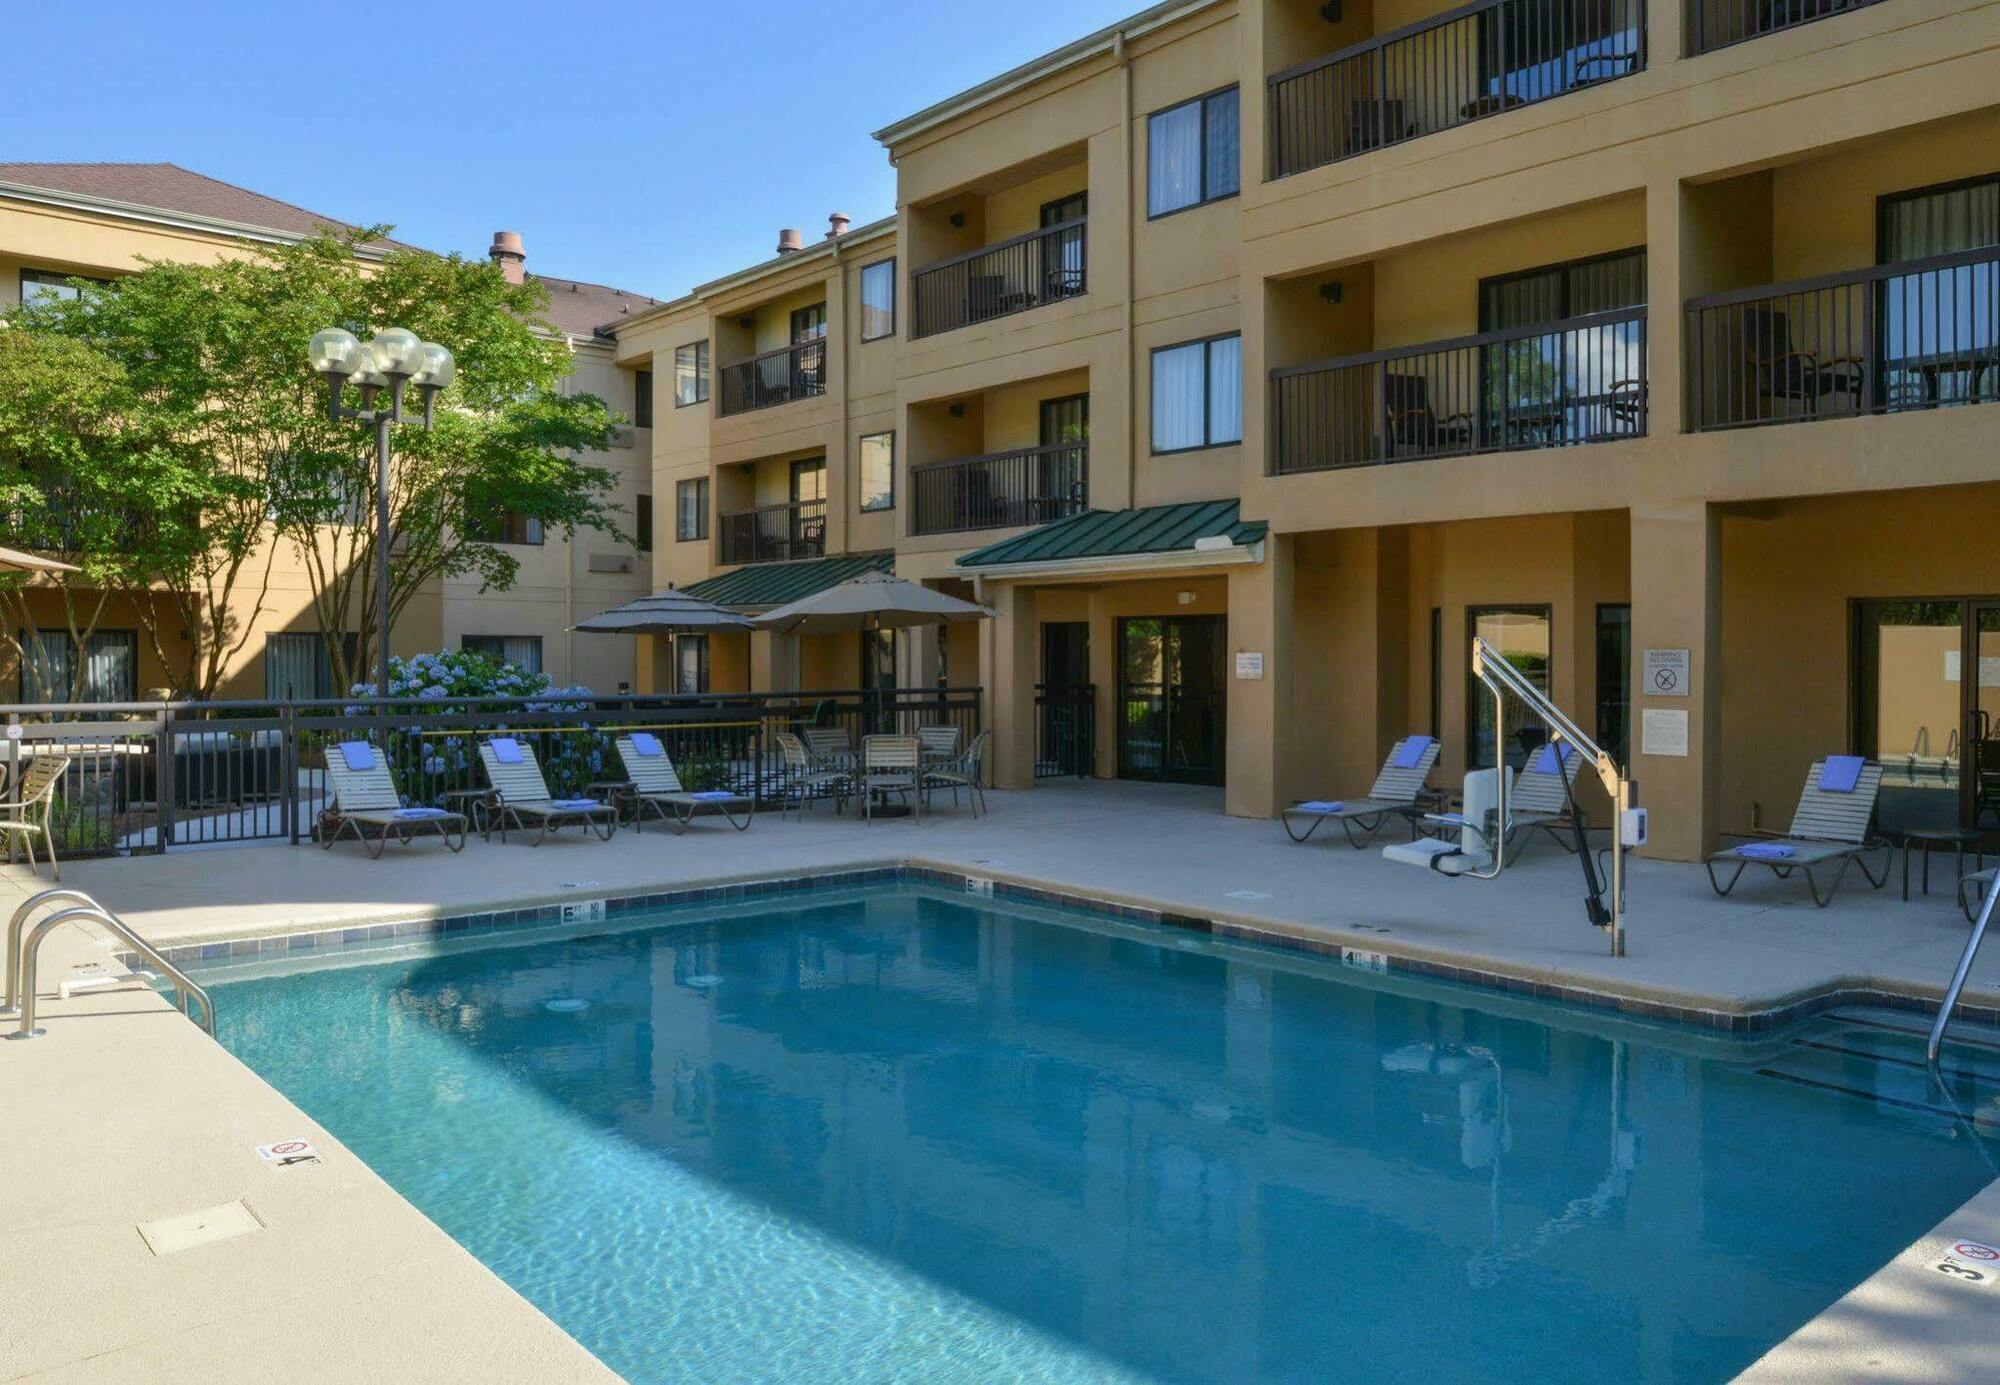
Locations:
column 790, row 241
column 836, row 225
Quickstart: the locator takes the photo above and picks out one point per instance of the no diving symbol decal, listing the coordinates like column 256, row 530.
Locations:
column 286, row 1153
column 1970, row 1262
column 1666, row 672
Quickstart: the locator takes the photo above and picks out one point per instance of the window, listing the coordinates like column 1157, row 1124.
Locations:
column 110, row 673
column 642, row 524
column 808, row 324
column 878, row 300
column 878, row 471
column 1192, row 154
column 522, row 651
column 1520, row 634
column 691, row 374
column 509, row 526
column 1614, row 680
column 296, row 666
column 1198, row 394
column 1939, row 220
column 691, row 509
column 642, row 399
column 40, row 285
column 690, row 663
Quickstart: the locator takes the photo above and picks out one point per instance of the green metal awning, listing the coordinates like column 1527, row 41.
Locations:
column 1101, row 534
column 764, row 585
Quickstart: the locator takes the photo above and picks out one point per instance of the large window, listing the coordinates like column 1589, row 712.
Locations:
column 1198, row 394
column 878, row 300
column 1614, row 680
column 691, row 374
column 691, row 509
column 690, row 663
column 509, row 526
column 296, row 666
column 642, row 399
column 110, row 672
column 1520, row 635
column 522, row 651
column 1192, row 153
column 642, row 524
column 878, row 471
column 38, row 285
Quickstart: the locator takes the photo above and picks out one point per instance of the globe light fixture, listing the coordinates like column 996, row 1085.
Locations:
column 436, row 372
column 398, row 353
column 335, row 352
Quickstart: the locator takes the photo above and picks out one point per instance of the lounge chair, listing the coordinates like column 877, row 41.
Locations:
column 657, row 787
column 804, row 781
column 31, row 813
column 1832, row 825
column 966, row 771
column 1394, row 794
column 889, row 764
column 521, row 796
column 1540, row 797
column 365, row 801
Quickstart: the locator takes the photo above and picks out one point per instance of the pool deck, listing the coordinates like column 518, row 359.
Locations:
column 124, row 1112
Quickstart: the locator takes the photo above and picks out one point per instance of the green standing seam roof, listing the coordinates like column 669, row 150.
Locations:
column 1117, row 533
column 773, row 584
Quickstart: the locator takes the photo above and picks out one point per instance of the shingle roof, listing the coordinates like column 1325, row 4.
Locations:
column 581, row 309
column 1117, row 533
column 170, row 188
column 763, row 585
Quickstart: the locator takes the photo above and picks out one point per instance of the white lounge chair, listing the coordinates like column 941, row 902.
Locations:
column 1539, row 799
column 657, row 786
column 1832, row 824
column 365, row 800
column 1394, row 794
column 521, row 796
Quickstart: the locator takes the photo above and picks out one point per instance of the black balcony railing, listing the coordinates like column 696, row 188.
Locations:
column 791, row 372
column 1715, row 24
column 1044, row 266
column 774, row 533
column 1557, row 384
column 1920, row 334
column 1458, row 66
column 1031, row 485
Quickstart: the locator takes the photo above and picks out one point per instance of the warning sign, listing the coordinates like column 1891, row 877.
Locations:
column 285, row 1153
column 1971, row 1262
column 1666, row 673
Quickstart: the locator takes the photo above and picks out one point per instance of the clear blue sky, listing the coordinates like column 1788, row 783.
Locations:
column 649, row 145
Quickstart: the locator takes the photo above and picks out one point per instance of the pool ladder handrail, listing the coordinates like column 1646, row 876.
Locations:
column 1958, row 978
column 23, row 955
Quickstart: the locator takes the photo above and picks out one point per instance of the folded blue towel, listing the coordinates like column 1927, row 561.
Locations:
column 1841, row 773
column 712, row 795
column 1767, row 851
column 359, row 755
column 647, row 744
column 506, row 750
column 1551, row 758
column 578, row 804
column 1412, row 753
column 422, row 813
column 1319, row 805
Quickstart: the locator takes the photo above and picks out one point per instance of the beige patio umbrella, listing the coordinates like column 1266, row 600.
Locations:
column 871, row 601
column 13, row 560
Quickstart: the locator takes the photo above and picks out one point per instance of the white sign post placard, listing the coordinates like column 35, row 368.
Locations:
column 1249, row 665
column 1666, row 673
column 1664, row 731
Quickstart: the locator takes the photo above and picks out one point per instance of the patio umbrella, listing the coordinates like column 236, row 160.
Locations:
column 13, row 560
column 871, row 601
column 666, row 613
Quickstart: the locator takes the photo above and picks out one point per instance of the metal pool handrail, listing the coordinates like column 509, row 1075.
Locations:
column 25, row 957
column 1958, row 977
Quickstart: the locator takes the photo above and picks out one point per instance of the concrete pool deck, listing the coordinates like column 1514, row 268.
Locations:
column 125, row 1113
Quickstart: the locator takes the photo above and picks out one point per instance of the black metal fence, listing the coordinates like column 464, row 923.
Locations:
column 146, row 777
column 1065, row 731
column 1044, row 266
column 1462, row 65
column 773, row 533
column 1715, row 24
column 1919, row 334
column 1558, row 384
column 791, row 372
column 1030, row 485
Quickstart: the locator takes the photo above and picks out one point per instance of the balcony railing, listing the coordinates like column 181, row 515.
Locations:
column 1462, row 65
column 1557, row 384
column 791, row 372
column 774, row 533
column 1713, row 24
column 1044, row 266
column 1920, row 334
column 1031, row 485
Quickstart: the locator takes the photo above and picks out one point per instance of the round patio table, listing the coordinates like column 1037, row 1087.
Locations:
column 1929, row 839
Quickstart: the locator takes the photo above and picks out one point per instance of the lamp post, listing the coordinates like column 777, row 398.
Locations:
column 393, row 359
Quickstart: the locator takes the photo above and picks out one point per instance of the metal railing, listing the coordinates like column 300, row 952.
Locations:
column 1959, row 975
column 773, row 533
column 1559, row 384
column 1030, row 485
column 24, row 953
column 776, row 377
column 1448, row 69
column 1917, row 334
column 1012, row 276
column 1065, row 731
column 1713, row 24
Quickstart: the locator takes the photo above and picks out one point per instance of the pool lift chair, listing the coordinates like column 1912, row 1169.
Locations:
column 1480, row 853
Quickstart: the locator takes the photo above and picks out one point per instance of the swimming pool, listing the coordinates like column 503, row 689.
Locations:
column 900, row 1133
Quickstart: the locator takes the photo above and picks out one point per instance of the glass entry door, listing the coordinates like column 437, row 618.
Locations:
column 1172, row 698
column 1928, row 707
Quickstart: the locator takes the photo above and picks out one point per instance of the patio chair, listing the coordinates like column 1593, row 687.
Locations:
column 803, row 781
column 938, row 743
column 889, row 764
column 1836, row 811
column 365, row 800
column 657, row 786
column 1540, row 797
column 1784, row 372
column 1411, row 426
column 521, row 796
column 966, row 771
column 830, row 747
column 31, row 812
column 1394, row 794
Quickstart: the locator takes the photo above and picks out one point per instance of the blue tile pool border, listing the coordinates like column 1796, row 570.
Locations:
column 339, row 938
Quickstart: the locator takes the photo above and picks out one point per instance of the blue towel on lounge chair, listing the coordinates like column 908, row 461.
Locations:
column 422, row 813
column 1841, row 773
column 1412, row 753
column 360, row 755
column 1318, row 805
column 506, row 750
column 1551, row 758
column 647, row 744
column 712, row 795
column 1767, row 851
column 577, row 804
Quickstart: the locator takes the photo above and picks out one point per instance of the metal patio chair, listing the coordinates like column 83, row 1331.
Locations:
column 31, row 813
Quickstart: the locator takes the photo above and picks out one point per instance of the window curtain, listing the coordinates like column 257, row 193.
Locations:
column 1173, row 159
column 1178, row 388
column 110, row 666
column 690, row 663
column 1225, row 390
column 522, row 651
column 1222, row 173
column 1941, row 223
column 878, row 300
column 296, row 666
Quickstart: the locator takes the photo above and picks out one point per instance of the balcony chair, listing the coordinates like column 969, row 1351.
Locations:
column 1784, row 372
column 1375, row 121
column 1411, row 427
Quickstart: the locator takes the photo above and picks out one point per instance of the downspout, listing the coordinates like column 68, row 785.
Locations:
column 1124, row 61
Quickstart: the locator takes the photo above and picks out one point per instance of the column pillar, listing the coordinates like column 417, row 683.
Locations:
column 774, row 661
column 1008, row 654
column 1677, row 604
column 1260, row 721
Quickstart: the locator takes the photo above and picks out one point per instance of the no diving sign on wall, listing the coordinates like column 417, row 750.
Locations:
column 1666, row 673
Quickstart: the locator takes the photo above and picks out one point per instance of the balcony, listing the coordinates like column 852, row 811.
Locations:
column 1030, row 485
column 1465, row 64
column 776, row 377
column 1557, row 384
column 773, row 533
column 1713, row 24
column 1043, row 266
column 1919, row 334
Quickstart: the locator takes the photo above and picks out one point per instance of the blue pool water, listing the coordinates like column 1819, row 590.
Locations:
column 901, row 1134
